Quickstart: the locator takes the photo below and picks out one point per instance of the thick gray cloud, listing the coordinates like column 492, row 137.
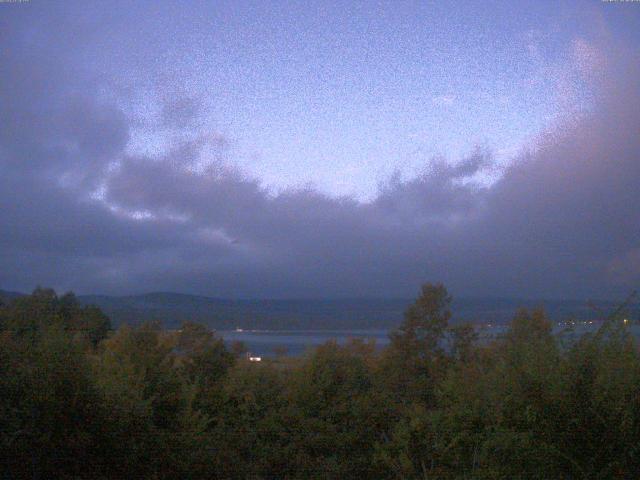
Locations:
column 80, row 210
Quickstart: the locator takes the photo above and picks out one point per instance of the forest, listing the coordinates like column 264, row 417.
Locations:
column 81, row 400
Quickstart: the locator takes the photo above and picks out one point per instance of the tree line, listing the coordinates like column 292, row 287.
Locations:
column 80, row 400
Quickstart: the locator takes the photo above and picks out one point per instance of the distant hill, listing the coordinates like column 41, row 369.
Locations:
column 6, row 296
column 173, row 308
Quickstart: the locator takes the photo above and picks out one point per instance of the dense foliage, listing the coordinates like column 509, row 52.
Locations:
column 78, row 400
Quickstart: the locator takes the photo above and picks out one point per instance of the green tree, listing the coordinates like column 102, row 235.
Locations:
column 251, row 436
column 338, row 417
column 414, row 360
column 25, row 316
column 155, row 430
column 48, row 419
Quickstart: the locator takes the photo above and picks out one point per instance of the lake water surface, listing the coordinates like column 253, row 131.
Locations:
column 295, row 342
column 264, row 343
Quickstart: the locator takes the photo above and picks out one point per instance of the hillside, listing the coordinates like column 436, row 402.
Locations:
column 171, row 309
column 7, row 296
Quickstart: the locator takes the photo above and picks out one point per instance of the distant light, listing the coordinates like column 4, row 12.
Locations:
column 255, row 359
column 626, row 321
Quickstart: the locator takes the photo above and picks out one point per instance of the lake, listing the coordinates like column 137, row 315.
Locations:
column 264, row 343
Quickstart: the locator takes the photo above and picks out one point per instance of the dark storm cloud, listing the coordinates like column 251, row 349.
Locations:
column 569, row 209
column 81, row 211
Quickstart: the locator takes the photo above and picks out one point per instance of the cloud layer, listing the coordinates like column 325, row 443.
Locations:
column 82, row 210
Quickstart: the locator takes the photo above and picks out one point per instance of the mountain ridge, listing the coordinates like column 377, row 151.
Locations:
column 171, row 309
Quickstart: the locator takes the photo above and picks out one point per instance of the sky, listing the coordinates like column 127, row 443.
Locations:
column 321, row 149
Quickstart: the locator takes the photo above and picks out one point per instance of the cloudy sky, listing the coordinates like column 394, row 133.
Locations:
column 321, row 149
